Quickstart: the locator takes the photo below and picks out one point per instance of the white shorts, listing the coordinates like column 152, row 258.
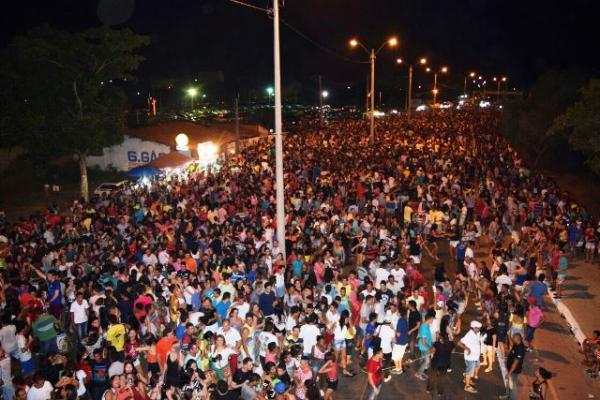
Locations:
column 453, row 243
column 398, row 352
column 590, row 245
column 416, row 259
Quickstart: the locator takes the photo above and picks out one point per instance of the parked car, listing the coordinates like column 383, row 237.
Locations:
column 109, row 187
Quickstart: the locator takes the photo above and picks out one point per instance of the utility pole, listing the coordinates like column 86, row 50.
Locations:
column 372, row 116
column 279, row 186
column 320, row 102
column 410, row 84
column 367, row 95
column 237, row 124
column 434, row 88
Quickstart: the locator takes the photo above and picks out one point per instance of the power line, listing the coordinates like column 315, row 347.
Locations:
column 320, row 46
column 299, row 33
column 244, row 4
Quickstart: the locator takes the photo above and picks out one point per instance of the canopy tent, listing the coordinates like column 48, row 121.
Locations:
column 172, row 160
column 143, row 171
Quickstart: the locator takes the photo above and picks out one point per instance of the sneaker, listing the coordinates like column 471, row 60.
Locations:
column 387, row 378
column 421, row 377
column 449, row 370
column 470, row 389
column 322, row 393
column 488, row 369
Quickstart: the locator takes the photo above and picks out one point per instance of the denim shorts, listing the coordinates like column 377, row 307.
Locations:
column 471, row 366
column 339, row 345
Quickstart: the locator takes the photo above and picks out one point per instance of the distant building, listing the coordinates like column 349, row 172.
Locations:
column 146, row 144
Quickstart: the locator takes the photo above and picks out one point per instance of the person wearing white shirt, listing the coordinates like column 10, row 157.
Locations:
column 471, row 344
column 79, row 315
column 231, row 335
column 386, row 335
column 149, row 258
column 308, row 334
column 41, row 388
column 265, row 337
column 8, row 336
column 398, row 273
column 381, row 274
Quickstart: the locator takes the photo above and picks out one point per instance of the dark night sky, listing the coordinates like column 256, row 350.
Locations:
column 519, row 39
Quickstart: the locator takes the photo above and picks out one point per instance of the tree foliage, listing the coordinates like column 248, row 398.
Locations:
column 526, row 122
column 581, row 124
column 60, row 101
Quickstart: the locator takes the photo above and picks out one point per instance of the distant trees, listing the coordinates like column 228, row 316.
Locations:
column 580, row 123
column 57, row 93
column 527, row 122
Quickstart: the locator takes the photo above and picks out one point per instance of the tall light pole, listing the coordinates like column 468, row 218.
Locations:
column 471, row 75
column 499, row 81
column 270, row 93
column 192, row 92
column 323, row 95
column 372, row 55
column 279, row 187
column 435, row 89
column 422, row 61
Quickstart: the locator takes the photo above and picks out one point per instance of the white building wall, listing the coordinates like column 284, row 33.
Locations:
column 129, row 154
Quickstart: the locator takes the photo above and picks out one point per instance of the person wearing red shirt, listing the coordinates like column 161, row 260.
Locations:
column 374, row 373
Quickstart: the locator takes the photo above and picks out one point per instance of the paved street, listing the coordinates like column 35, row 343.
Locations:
column 558, row 351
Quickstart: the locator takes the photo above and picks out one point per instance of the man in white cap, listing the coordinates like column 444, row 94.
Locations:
column 471, row 344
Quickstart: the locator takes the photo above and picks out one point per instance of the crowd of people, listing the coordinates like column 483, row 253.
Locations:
column 179, row 289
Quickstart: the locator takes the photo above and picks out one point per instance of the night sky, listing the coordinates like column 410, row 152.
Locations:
column 519, row 39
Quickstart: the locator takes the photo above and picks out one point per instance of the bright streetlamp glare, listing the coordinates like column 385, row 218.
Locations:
column 444, row 69
column 393, row 41
column 423, row 61
column 353, row 42
column 398, row 60
column 270, row 91
column 325, row 94
column 192, row 92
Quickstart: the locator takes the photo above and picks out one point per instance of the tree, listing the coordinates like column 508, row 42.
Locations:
column 62, row 84
column 527, row 122
column 581, row 124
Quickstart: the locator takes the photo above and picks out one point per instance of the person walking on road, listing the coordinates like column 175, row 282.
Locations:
column 440, row 363
column 514, row 365
column 425, row 345
column 471, row 344
column 374, row 374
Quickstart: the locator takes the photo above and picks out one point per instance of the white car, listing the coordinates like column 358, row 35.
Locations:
column 109, row 187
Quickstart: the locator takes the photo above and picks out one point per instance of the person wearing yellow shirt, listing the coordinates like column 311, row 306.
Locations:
column 115, row 335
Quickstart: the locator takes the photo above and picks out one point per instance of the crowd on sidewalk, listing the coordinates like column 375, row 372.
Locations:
column 178, row 289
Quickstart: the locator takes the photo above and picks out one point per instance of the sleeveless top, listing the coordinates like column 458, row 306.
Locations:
column 537, row 388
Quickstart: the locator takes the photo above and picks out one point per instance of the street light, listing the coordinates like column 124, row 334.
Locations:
column 471, row 75
column 372, row 54
column 192, row 92
column 422, row 61
column 270, row 93
column 435, row 90
column 325, row 94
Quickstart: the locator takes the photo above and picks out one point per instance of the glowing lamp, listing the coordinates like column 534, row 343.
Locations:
column 182, row 141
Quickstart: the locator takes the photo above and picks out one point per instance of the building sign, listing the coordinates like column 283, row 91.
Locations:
column 142, row 157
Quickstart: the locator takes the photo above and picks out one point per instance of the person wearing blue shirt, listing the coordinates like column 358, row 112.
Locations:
column 55, row 295
column 538, row 289
column 425, row 344
column 401, row 343
column 222, row 306
column 369, row 334
column 180, row 330
column 266, row 300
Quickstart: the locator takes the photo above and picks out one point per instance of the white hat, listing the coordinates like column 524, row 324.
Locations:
column 475, row 324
